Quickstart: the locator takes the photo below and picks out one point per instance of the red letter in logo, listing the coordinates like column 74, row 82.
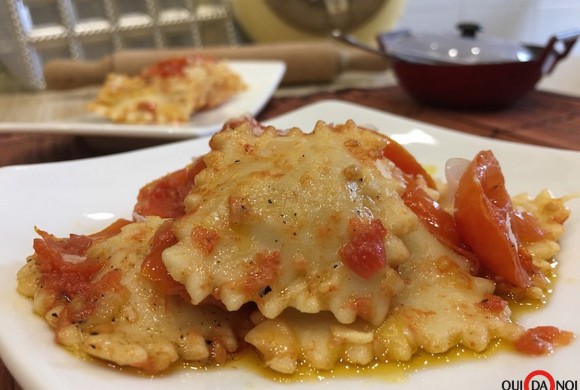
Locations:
column 543, row 373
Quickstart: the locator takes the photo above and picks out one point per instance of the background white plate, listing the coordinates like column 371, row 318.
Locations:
column 262, row 78
column 85, row 195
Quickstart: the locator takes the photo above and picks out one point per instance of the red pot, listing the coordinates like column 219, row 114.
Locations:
column 496, row 76
column 479, row 85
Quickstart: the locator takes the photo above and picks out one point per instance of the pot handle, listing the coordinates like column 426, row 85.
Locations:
column 351, row 40
column 558, row 47
column 385, row 38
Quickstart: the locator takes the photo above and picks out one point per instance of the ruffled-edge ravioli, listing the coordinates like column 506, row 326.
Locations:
column 136, row 325
column 435, row 303
column 167, row 92
column 441, row 306
column 268, row 220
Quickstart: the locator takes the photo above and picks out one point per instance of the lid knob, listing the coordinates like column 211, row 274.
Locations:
column 469, row 30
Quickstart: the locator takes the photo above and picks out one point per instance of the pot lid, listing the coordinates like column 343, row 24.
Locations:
column 465, row 48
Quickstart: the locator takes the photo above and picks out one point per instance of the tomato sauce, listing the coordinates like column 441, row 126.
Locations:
column 165, row 197
column 153, row 267
column 542, row 340
column 149, row 107
column 494, row 304
column 205, row 238
column 365, row 252
column 263, row 272
column 67, row 273
column 173, row 67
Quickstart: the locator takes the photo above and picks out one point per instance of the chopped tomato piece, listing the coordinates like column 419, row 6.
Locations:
column 541, row 340
column 75, row 245
column 172, row 67
column 365, row 252
column 111, row 230
column 68, row 274
column 67, row 254
column 64, row 278
column 81, row 305
column 438, row 221
column 261, row 274
column 150, row 107
column 406, row 162
column 153, row 267
column 528, row 228
column 494, row 304
column 164, row 197
column 485, row 220
column 205, row 238
column 168, row 68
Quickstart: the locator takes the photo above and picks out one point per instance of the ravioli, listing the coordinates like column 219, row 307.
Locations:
column 309, row 248
column 442, row 305
column 119, row 315
column 167, row 92
column 274, row 218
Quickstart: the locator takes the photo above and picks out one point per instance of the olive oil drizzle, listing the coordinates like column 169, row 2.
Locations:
column 399, row 371
column 389, row 372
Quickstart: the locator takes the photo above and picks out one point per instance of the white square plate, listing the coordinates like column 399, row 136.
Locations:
column 261, row 77
column 83, row 196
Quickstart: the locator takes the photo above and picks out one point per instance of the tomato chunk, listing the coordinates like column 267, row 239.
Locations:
column 206, row 239
column 261, row 274
column 168, row 68
column 62, row 255
column 541, row 340
column 153, row 267
column 172, row 67
column 485, row 218
column 68, row 274
column 64, row 278
column 164, row 197
column 365, row 252
column 111, row 230
column 439, row 222
column 406, row 162
column 494, row 304
column 528, row 228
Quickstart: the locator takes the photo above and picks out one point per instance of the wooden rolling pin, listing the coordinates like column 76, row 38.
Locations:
column 306, row 62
